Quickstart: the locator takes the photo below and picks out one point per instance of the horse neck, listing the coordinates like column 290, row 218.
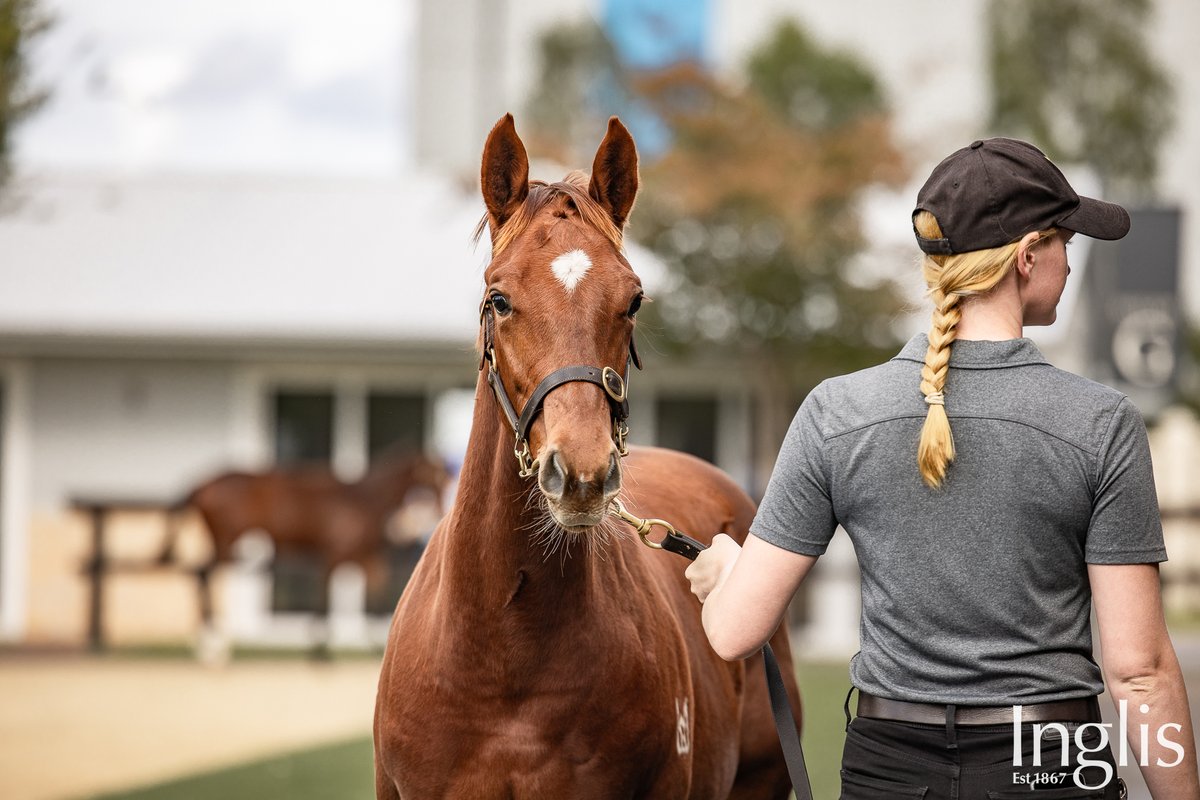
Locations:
column 489, row 548
column 386, row 483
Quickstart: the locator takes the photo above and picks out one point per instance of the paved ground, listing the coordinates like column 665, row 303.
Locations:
column 72, row 726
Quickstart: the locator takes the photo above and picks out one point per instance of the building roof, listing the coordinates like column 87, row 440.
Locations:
column 244, row 258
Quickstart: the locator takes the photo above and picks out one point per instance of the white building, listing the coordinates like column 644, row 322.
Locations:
column 155, row 329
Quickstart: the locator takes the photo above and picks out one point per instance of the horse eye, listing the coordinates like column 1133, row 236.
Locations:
column 501, row 304
column 635, row 305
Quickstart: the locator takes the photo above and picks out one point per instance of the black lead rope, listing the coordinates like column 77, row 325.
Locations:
column 785, row 726
column 781, row 707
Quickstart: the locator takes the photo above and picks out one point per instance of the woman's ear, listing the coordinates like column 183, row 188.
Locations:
column 1027, row 254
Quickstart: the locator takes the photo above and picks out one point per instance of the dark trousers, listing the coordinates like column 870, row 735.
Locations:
column 897, row 760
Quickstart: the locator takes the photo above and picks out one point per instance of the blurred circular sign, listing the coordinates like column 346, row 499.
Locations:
column 1143, row 348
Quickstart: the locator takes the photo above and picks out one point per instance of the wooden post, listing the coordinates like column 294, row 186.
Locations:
column 97, row 566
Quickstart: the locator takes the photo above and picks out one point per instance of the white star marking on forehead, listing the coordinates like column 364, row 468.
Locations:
column 570, row 268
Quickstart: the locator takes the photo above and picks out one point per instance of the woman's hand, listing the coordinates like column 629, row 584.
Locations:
column 745, row 591
column 712, row 565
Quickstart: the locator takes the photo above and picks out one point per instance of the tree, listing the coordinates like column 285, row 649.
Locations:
column 580, row 86
column 754, row 208
column 809, row 86
column 1076, row 78
column 21, row 21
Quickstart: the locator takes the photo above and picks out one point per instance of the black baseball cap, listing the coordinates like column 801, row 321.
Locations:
column 994, row 191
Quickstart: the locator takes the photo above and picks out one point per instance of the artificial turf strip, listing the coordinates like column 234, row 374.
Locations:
column 345, row 771
column 342, row 771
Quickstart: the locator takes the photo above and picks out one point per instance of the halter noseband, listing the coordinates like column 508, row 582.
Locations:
column 614, row 385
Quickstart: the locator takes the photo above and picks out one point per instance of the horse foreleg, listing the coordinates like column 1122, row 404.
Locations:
column 204, row 593
column 322, row 624
column 376, row 572
column 167, row 553
column 211, row 646
column 385, row 789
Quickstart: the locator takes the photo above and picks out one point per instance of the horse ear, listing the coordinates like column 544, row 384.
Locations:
column 615, row 172
column 504, row 175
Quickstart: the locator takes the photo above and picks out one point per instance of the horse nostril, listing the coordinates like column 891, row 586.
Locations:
column 552, row 477
column 612, row 481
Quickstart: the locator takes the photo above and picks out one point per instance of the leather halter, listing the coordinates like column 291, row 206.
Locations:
column 614, row 385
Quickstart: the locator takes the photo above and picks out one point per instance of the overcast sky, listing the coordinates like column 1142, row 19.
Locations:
column 306, row 86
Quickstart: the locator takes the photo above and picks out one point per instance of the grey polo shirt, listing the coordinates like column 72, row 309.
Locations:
column 976, row 593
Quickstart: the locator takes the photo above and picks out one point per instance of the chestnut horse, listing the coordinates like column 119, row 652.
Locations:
column 513, row 674
column 307, row 510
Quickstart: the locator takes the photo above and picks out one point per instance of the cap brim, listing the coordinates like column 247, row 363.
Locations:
column 1097, row 219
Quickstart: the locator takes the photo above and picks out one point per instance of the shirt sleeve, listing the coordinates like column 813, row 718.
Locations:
column 1125, row 526
column 796, row 512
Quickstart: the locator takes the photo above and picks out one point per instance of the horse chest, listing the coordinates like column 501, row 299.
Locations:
column 569, row 723
column 544, row 747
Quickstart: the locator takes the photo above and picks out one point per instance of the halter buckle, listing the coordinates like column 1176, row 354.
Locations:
column 614, row 384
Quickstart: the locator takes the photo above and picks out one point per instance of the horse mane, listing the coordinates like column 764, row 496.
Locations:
column 574, row 187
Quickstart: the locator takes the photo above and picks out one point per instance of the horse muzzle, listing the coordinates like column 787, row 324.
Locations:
column 578, row 499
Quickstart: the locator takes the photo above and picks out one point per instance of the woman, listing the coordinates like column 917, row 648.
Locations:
column 993, row 500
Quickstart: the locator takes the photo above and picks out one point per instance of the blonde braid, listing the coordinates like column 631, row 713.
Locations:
column 950, row 278
column 936, row 449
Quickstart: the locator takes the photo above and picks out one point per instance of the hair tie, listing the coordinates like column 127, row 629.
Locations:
column 935, row 399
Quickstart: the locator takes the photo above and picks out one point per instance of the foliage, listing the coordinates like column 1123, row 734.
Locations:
column 1076, row 77
column 21, row 21
column 754, row 208
column 810, row 87
column 577, row 86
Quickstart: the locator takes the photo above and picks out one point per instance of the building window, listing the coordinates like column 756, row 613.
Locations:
column 688, row 424
column 303, row 427
column 401, row 561
column 395, row 423
column 395, row 426
column 305, row 422
column 303, row 435
column 296, row 583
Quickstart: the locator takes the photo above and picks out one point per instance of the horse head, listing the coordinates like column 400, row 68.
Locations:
column 557, row 318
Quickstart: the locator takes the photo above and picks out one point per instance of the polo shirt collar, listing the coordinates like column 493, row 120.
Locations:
column 977, row 353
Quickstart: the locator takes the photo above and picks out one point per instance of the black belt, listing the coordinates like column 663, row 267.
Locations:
column 1085, row 709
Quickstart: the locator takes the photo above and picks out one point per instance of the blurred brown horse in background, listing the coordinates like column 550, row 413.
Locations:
column 306, row 510
column 511, row 674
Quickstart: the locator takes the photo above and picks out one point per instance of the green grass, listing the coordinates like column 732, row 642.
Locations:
column 823, row 688
column 1181, row 621
column 177, row 651
column 344, row 771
